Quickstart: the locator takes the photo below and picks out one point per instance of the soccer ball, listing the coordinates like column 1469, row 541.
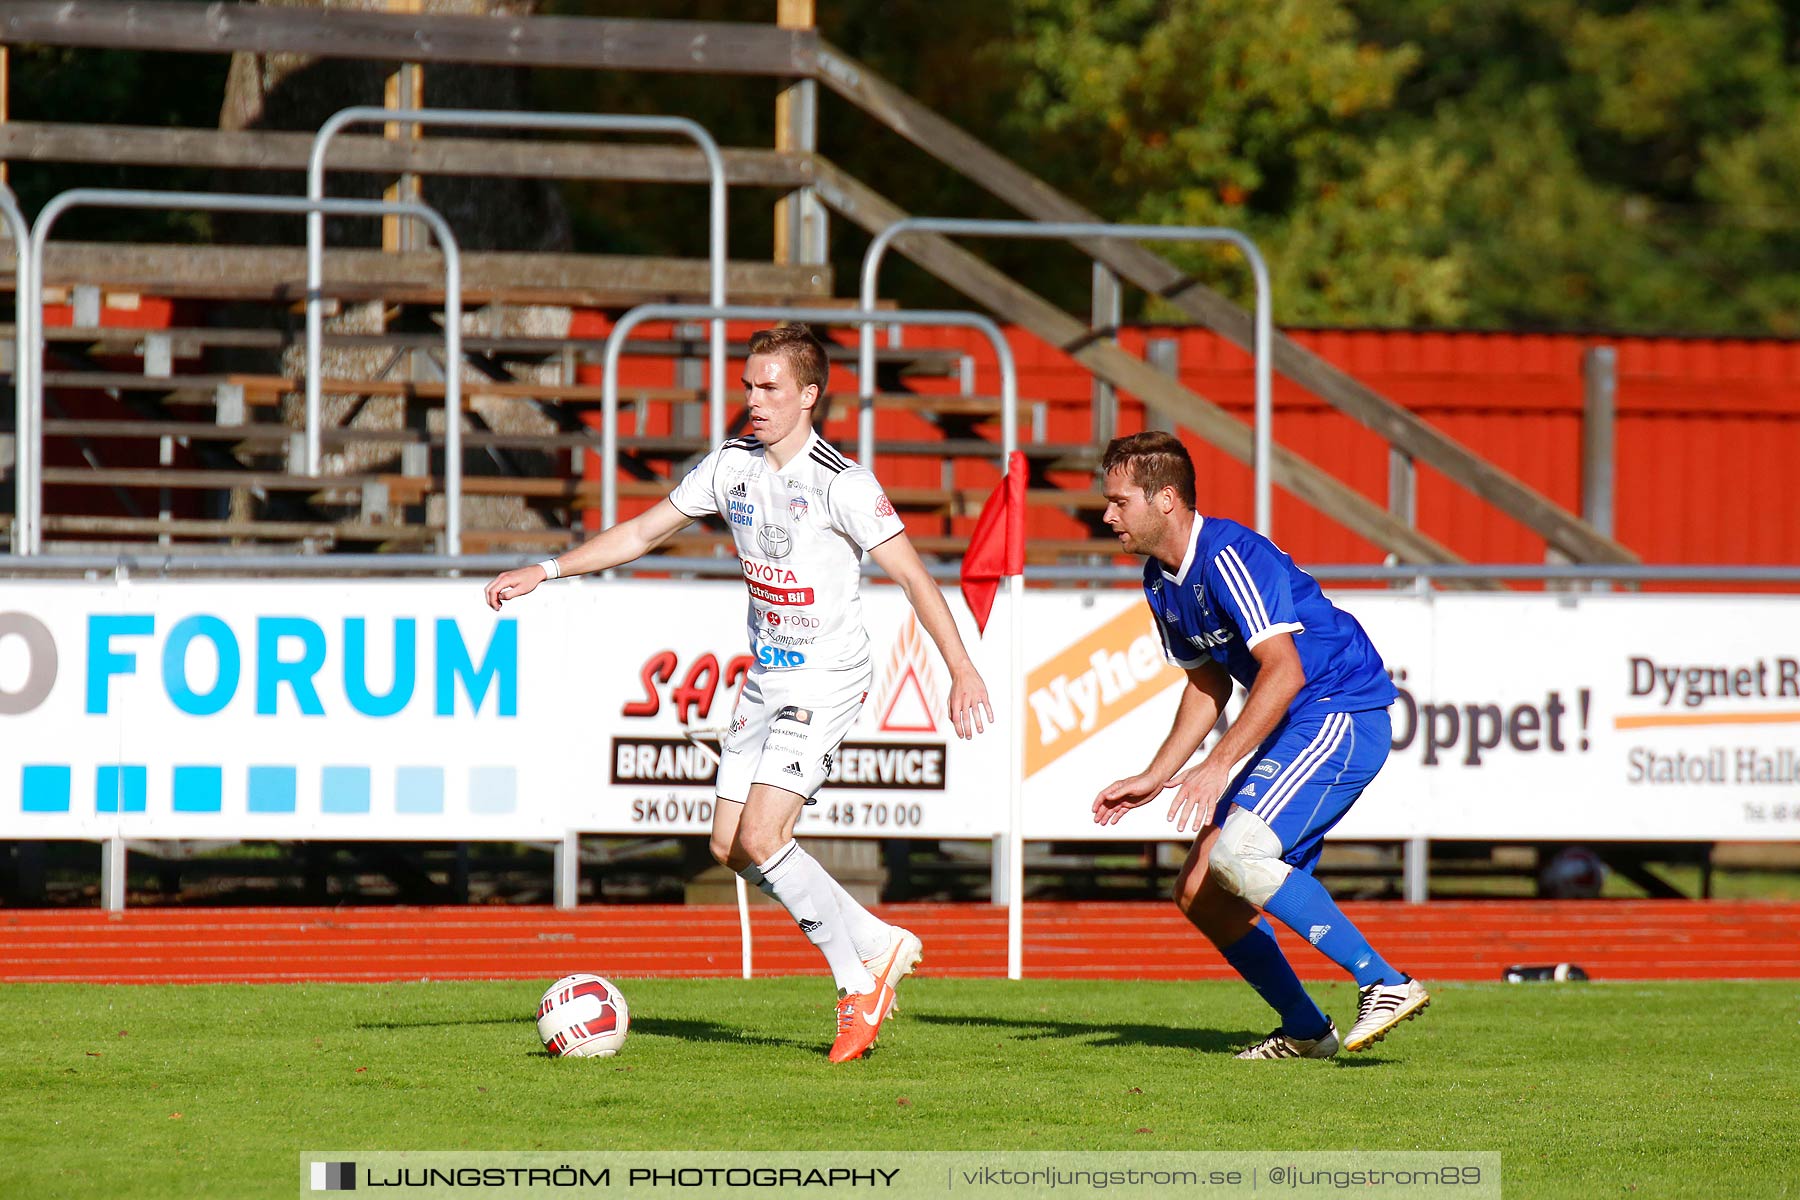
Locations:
column 582, row 1016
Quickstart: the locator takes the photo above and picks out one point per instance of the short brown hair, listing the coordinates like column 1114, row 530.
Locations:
column 804, row 353
column 1153, row 460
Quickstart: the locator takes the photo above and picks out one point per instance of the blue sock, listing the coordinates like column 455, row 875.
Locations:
column 1259, row 960
column 1304, row 906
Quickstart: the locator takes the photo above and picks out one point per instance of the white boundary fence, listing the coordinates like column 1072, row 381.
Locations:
column 387, row 709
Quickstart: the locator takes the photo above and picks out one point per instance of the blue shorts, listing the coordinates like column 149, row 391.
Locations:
column 1306, row 775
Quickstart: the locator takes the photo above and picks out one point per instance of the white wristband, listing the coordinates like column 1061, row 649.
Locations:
column 551, row 570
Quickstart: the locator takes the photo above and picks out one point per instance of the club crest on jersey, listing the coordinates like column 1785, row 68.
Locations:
column 797, row 507
column 774, row 540
column 883, row 506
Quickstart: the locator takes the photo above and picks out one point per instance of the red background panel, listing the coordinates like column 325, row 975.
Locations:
column 1707, row 434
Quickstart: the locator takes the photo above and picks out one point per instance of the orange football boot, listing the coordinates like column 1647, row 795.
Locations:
column 859, row 1022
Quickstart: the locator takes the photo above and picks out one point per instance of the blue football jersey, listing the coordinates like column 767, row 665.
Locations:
column 1235, row 589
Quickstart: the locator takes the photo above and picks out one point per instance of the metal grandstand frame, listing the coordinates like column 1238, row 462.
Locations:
column 485, row 118
column 1262, row 337
column 27, row 519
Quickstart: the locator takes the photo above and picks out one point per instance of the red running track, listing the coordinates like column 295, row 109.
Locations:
column 1651, row 939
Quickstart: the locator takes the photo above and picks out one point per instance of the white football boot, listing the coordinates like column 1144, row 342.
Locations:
column 1280, row 1045
column 1380, row 1007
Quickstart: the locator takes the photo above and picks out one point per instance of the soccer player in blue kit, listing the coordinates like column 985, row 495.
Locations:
column 1231, row 605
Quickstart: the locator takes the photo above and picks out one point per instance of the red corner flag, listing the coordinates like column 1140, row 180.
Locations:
column 997, row 547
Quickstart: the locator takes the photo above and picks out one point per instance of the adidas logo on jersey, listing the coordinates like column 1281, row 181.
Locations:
column 1249, row 789
column 739, row 491
column 807, row 926
column 1316, row 933
column 792, row 768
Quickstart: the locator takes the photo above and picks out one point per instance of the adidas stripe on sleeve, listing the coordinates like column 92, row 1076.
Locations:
column 697, row 495
column 1252, row 587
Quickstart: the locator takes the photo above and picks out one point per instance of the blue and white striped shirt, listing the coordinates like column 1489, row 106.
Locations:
column 1236, row 589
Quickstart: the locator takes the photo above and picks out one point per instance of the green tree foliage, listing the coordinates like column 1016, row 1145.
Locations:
column 1497, row 163
column 1264, row 117
column 1629, row 165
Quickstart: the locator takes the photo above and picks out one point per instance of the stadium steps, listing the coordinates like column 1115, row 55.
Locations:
column 146, row 374
column 1613, row 940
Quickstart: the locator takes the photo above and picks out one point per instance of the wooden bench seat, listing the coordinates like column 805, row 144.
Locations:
column 190, row 341
column 410, row 536
column 278, row 274
column 272, row 436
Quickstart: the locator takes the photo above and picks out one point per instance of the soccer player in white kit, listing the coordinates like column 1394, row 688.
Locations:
column 802, row 516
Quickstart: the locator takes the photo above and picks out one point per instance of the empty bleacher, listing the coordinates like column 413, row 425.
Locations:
column 172, row 376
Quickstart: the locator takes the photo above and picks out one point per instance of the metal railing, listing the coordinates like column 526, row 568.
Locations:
column 503, row 118
column 349, row 565
column 609, row 450
column 19, row 229
column 1013, row 861
column 1073, row 230
column 28, row 520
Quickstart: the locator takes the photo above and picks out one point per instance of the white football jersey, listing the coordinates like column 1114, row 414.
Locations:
column 801, row 533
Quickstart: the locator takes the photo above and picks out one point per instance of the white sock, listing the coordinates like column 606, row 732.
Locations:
column 868, row 931
column 805, row 890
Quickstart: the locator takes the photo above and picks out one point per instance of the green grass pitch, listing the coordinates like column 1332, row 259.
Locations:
column 1627, row 1089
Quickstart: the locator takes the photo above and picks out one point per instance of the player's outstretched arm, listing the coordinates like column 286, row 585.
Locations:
column 1279, row 678
column 968, row 694
column 628, row 540
column 1202, row 700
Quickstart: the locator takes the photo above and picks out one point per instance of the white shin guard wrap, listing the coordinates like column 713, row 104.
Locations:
column 1246, row 860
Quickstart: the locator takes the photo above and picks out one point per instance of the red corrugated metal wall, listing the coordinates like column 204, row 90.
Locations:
column 1707, row 434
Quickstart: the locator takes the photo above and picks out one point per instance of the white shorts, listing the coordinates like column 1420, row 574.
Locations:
column 784, row 735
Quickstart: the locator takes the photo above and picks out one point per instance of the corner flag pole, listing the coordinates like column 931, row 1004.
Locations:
column 1015, row 669
column 1015, row 778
